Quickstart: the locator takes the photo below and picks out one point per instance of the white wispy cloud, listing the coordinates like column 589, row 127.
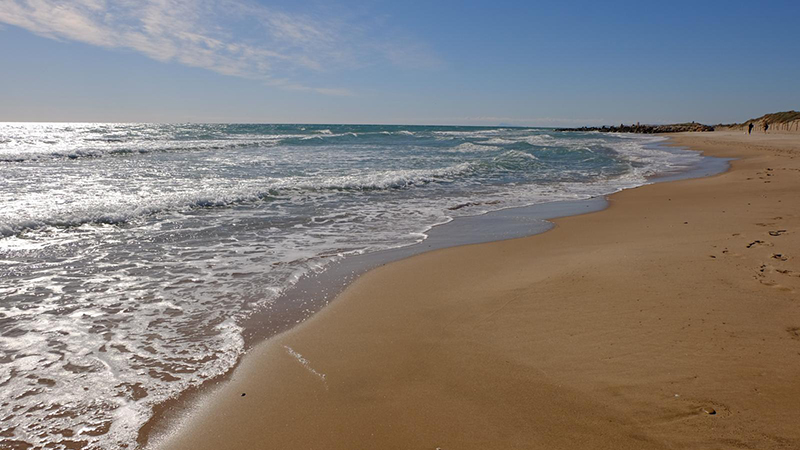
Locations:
column 231, row 37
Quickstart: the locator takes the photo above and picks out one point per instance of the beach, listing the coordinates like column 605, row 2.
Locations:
column 290, row 225
column 670, row 319
column 151, row 272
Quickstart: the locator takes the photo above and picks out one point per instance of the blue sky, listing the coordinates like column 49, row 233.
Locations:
column 427, row 62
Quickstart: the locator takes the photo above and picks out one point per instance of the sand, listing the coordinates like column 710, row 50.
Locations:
column 669, row 320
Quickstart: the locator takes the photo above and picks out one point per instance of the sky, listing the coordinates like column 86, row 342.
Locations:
column 532, row 63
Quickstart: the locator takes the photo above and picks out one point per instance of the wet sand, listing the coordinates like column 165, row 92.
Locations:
column 669, row 320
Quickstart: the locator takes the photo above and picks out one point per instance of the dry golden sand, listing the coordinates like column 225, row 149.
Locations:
column 621, row 329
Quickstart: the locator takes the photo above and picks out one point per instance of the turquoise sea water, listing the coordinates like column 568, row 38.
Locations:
column 132, row 255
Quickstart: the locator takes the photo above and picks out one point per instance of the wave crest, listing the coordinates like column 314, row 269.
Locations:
column 118, row 208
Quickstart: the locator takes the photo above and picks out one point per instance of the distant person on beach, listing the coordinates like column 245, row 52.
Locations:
column 766, row 127
column 750, row 128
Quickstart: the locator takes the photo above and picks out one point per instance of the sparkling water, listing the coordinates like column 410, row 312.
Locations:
column 131, row 255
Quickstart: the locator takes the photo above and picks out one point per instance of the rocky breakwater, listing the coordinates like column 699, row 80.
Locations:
column 646, row 129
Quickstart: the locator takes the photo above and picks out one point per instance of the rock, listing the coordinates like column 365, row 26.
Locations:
column 645, row 129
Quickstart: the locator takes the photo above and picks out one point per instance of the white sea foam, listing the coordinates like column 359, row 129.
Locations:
column 110, row 207
column 499, row 141
column 469, row 147
column 127, row 277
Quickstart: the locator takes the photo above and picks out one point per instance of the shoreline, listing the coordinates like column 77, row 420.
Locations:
column 295, row 362
column 324, row 287
column 491, row 226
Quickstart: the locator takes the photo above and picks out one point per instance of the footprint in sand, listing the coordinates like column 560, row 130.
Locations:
column 758, row 242
column 761, row 275
column 764, row 175
column 794, row 332
column 766, row 274
column 767, row 268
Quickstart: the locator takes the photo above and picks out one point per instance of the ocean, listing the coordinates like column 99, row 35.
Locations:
column 133, row 257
